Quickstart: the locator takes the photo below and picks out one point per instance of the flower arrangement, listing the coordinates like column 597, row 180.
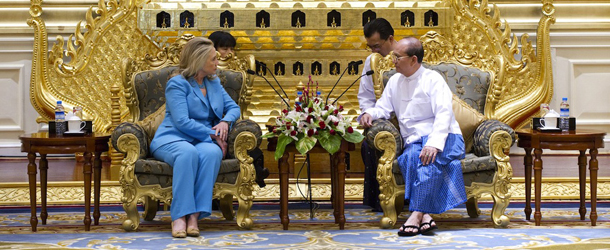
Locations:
column 312, row 120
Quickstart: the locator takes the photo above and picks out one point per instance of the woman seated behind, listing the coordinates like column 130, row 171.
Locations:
column 224, row 43
column 193, row 135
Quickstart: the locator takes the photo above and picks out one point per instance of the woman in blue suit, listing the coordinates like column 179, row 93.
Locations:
column 192, row 137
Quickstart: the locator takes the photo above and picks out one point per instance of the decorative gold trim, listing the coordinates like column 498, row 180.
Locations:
column 63, row 193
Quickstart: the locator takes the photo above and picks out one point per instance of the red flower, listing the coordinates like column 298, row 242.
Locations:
column 322, row 125
column 341, row 107
column 325, row 107
column 298, row 108
column 287, row 126
column 310, row 132
column 350, row 130
column 316, row 133
column 332, row 132
column 293, row 133
column 336, row 111
column 310, row 110
column 308, row 119
column 285, row 111
column 336, row 124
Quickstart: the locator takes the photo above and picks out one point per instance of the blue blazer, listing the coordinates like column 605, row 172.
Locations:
column 188, row 112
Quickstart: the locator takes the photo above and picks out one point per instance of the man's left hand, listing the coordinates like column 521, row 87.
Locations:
column 428, row 155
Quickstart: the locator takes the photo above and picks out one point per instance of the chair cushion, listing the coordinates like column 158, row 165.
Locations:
column 486, row 176
column 468, row 118
column 152, row 122
column 469, row 84
column 150, row 88
column 232, row 81
column 472, row 163
column 151, row 171
column 471, row 166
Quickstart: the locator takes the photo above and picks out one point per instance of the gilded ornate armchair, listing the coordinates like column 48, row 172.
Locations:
column 146, row 179
column 493, row 93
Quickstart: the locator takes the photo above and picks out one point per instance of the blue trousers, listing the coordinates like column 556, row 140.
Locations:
column 195, row 168
column 438, row 186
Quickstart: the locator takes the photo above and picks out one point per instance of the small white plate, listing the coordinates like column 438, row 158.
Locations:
column 74, row 133
column 549, row 129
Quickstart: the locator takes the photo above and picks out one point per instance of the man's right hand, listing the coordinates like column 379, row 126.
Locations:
column 366, row 120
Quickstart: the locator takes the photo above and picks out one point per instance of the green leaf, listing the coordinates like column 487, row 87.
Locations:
column 331, row 143
column 305, row 144
column 269, row 135
column 354, row 137
column 282, row 141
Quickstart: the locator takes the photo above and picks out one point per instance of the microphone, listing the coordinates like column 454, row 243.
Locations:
column 368, row 73
column 272, row 75
column 356, row 63
column 251, row 72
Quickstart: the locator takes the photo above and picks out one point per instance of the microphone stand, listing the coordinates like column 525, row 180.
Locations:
column 251, row 72
column 368, row 73
column 272, row 75
column 331, row 90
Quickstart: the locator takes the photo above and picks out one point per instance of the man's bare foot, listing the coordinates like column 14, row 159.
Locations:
column 411, row 226
column 427, row 224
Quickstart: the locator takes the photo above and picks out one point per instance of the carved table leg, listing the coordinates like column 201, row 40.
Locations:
column 87, row 185
column 333, row 188
column 97, row 178
column 538, row 184
column 582, row 180
column 338, row 162
column 593, row 175
column 527, row 162
column 44, row 165
column 32, row 182
column 283, row 167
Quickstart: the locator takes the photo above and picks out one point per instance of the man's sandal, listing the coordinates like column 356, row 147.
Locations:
column 404, row 233
column 427, row 231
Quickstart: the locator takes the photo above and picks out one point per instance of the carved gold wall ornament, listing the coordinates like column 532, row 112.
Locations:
column 93, row 65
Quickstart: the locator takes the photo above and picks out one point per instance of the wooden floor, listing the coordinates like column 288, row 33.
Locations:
column 68, row 169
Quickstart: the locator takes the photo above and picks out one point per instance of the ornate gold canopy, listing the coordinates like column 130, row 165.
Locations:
column 323, row 38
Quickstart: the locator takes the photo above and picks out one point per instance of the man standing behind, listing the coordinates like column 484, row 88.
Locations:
column 430, row 163
column 379, row 36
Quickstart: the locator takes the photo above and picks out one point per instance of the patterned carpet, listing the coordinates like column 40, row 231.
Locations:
column 561, row 229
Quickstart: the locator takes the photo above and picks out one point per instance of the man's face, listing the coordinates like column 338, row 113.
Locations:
column 378, row 45
column 404, row 63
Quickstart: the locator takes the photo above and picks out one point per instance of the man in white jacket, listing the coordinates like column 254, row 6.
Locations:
column 434, row 145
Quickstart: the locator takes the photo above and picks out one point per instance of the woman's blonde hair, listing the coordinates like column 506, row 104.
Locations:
column 194, row 56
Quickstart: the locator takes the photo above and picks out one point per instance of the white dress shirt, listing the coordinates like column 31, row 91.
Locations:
column 366, row 92
column 422, row 103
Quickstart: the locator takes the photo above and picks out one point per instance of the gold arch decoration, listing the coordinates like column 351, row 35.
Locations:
column 518, row 86
column 81, row 71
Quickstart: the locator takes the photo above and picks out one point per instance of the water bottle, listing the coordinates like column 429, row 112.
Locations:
column 564, row 115
column 60, row 117
column 297, row 101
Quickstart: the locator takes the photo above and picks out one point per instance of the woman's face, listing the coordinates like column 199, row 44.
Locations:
column 224, row 51
column 209, row 68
